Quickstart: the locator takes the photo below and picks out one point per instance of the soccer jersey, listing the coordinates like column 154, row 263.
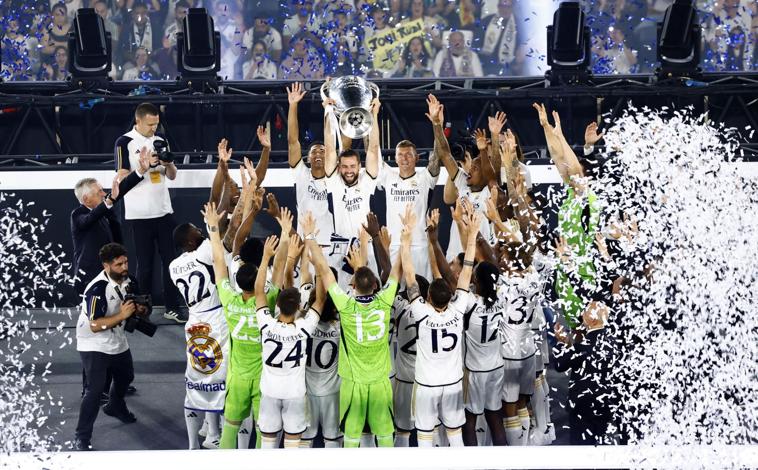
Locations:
column 243, row 329
column 478, row 200
column 192, row 274
column 522, row 294
column 416, row 190
column 364, row 352
column 284, row 348
column 349, row 205
column 482, row 339
column 311, row 195
column 321, row 377
column 406, row 331
column 440, row 335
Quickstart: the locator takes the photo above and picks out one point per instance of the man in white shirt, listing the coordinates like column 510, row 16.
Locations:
column 148, row 205
column 349, row 191
column 404, row 185
column 458, row 59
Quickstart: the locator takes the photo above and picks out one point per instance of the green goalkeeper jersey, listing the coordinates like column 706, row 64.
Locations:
column 364, row 320
column 246, row 350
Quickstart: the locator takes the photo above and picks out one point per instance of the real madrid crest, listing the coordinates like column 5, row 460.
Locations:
column 203, row 351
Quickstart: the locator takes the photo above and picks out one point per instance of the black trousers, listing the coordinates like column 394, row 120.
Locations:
column 96, row 366
column 149, row 233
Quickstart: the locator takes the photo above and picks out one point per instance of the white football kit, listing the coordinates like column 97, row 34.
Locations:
column 311, row 195
column 483, row 358
column 322, row 382
column 478, row 200
column 399, row 192
column 438, row 391
column 206, row 330
column 406, row 333
column 283, row 400
column 522, row 293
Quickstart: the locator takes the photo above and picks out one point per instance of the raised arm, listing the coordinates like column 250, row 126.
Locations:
column 244, row 204
column 488, row 171
column 441, row 146
column 382, row 255
column 262, row 167
column 440, row 261
column 247, row 220
column 294, row 96
column 373, row 152
column 220, row 270
column 260, row 279
column 330, row 139
column 222, row 171
column 495, row 125
column 570, row 160
column 473, row 222
column 293, row 256
column 280, row 260
column 317, row 256
column 406, row 261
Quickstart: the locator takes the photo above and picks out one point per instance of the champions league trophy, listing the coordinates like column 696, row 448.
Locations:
column 352, row 103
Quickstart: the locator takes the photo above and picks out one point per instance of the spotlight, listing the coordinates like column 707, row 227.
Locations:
column 568, row 46
column 679, row 41
column 89, row 46
column 198, row 47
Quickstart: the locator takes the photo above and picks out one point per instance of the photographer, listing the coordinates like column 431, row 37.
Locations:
column 101, row 341
column 148, row 205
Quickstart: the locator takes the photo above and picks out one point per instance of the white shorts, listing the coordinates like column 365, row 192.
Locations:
column 275, row 412
column 518, row 378
column 402, row 394
column 432, row 405
column 420, row 256
column 483, row 391
column 324, row 411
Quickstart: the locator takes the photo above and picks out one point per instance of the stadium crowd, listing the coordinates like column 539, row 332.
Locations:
column 368, row 334
column 312, row 39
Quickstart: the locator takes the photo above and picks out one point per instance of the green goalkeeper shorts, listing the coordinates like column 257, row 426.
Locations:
column 361, row 403
column 242, row 395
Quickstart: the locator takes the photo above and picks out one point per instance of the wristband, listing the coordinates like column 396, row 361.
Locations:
column 310, row 236
column 212, row 229
column 468, row 263
column 110, row 198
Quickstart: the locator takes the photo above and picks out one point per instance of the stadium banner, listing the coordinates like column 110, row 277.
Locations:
column 386, row 48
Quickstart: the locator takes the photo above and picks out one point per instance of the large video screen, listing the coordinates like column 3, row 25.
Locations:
column 312, row 39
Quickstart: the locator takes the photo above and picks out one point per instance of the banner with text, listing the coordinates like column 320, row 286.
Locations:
column 387, row 48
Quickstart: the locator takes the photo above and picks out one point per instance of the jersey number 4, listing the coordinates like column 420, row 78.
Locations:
column 444, row 335
column 374, row 319
column 294, row 356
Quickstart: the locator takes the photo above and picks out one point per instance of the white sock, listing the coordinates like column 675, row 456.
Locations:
column 425, row 439
column 455, row 437
column 332, row 443
column 483, row 437
column 214, row 430
column 523, row 415
column 402, row 439
column 246, row 430
column 512, row 430
column 546, row 389
column 269, row 442
column 194, row 421
column 538, row 406
column 291, row 443
column 367, row 440
column 440, row 437
column 305, row 443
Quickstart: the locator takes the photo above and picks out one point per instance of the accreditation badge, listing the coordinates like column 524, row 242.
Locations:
column 155, row 177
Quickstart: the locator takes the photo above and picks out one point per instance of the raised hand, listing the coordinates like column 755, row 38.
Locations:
column 285, row 221
column 467, row 162
column 258, row 199
column 269, row 248
column 386, row 238
column 474, row 222
column 509, row 145
column 591, row 135
column 114, row 187
column 409, row 217
column 363, row 237
column 481, row 139
column 433, row 220
column 496, row 123
column 355, row 258
column 296, row 94
column 273, row 206
column 210, row 215
column 308, row 224
column 457, row 211
column 541, row 113
column 224, row 153
column 144, row 160
column 243, row 178
column 491, row 208
column 557, row 129
column 375, row 105
column 436, row 110
column 263, row 137
column 251, row 172
column 372, row 226
column 295, row 247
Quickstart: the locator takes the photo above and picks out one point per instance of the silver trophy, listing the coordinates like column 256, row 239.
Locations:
column 352, row 103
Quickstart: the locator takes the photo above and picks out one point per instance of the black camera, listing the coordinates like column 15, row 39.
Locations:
column 161, row 148
column 138, row 321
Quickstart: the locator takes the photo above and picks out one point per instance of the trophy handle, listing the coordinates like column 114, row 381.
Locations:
column 324, row 91
column 374, row 89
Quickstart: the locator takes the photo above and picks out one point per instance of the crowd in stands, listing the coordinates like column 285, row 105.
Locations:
column 312, row 39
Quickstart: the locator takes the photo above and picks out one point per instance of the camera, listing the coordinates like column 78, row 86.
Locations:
column 137, row 321
column 161, row 149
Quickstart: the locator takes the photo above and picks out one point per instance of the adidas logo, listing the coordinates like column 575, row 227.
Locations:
column 243, row 431
column 192, row 414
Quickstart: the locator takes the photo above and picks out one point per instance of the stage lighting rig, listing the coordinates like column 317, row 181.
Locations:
column 198, row 51
column 568, row 46
column 89, row 49
column 679, row 42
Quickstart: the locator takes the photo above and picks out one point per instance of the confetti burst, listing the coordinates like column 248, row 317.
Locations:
column 32, row 276
column 686, row 330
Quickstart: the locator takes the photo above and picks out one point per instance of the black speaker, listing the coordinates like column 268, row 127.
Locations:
column 679, row 39
column 568, row 46
column 89, row 45
column 198, row 46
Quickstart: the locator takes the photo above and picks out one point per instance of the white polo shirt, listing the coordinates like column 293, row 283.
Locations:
column 150, row 198
column 102, row 298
